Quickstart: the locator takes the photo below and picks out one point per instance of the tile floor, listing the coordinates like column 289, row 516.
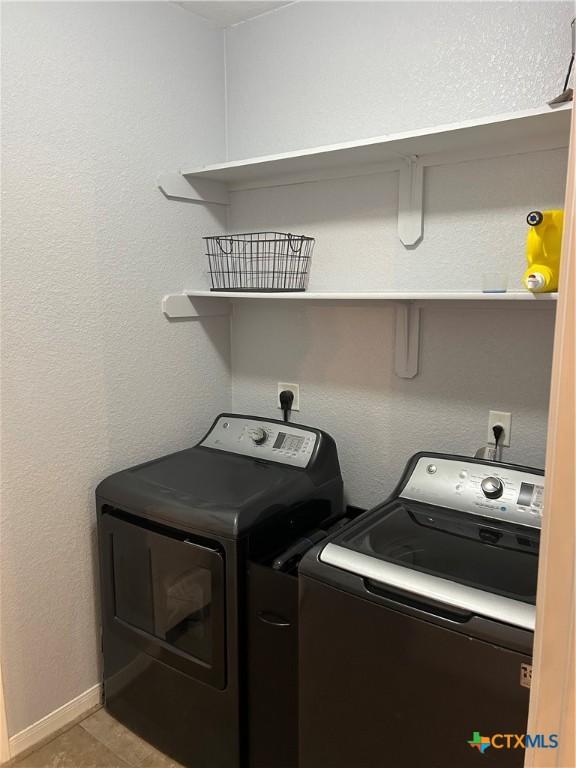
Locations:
column 99, row 741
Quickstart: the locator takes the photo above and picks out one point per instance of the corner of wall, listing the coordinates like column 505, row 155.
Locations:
column 226, row 125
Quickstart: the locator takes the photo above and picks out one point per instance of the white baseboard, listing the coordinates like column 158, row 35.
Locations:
column 56, row 720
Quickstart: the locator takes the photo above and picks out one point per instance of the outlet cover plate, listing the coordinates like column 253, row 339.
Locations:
column 282, row 385
column 503, row 418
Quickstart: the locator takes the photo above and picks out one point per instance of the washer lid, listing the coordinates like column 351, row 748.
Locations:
column 483, row 566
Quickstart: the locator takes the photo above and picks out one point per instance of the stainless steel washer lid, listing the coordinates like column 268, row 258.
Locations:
column 440, row 538
column 424, row 585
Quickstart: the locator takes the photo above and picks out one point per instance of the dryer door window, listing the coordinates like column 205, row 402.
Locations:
column 167, row 592
column 182, row 578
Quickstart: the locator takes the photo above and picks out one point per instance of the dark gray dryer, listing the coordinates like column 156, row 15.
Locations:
column 176, row 538
column 417, row 621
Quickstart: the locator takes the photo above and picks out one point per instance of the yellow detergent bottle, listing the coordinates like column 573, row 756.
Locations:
column 543, row 246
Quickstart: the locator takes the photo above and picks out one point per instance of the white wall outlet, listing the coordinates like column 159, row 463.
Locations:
column 503, row 418
column 282, row 385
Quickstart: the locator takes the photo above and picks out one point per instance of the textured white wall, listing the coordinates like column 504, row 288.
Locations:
column 472, row 359
column 100, row 97
column 319, row 72
column 97, row 99
column 474, row 222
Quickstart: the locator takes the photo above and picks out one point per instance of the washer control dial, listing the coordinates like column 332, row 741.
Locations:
column 258, row 435
column 492, row 487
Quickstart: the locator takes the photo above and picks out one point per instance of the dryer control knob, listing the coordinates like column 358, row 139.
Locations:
column 258, row 435
column 492, row 487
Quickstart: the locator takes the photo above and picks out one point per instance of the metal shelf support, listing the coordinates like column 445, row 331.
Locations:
column 410, row 196
column 175, row 186
column 407, row 340
column 180, row 306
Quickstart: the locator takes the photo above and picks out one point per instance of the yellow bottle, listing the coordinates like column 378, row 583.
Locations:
column 543, row 246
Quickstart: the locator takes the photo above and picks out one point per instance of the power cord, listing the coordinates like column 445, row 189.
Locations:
column 571, row 64
column 498, row 431
column 286, row 400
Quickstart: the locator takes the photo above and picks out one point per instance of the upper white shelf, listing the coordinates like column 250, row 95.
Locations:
column 378, row 295
column 516, row 132
column 409, row 152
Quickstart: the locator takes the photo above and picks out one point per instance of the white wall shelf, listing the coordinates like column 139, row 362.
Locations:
column 409, row 152
column 198, row 304
column 375, row 296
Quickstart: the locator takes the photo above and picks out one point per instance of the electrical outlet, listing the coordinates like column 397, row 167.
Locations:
column 295, row 389
column 503, row 418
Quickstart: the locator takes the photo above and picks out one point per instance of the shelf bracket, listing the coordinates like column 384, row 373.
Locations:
column 175, row 186
column 407, row 340
column 180, row 306
column 410, row 195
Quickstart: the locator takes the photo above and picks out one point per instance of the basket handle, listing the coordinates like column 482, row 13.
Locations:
column 219, row 241
column 295, row 248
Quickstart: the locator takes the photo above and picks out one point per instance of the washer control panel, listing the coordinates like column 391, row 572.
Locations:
column 262, row 440
column 481, row 489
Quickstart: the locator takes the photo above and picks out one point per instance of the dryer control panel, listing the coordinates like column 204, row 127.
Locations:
column 478, row 488
column 267, row 440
